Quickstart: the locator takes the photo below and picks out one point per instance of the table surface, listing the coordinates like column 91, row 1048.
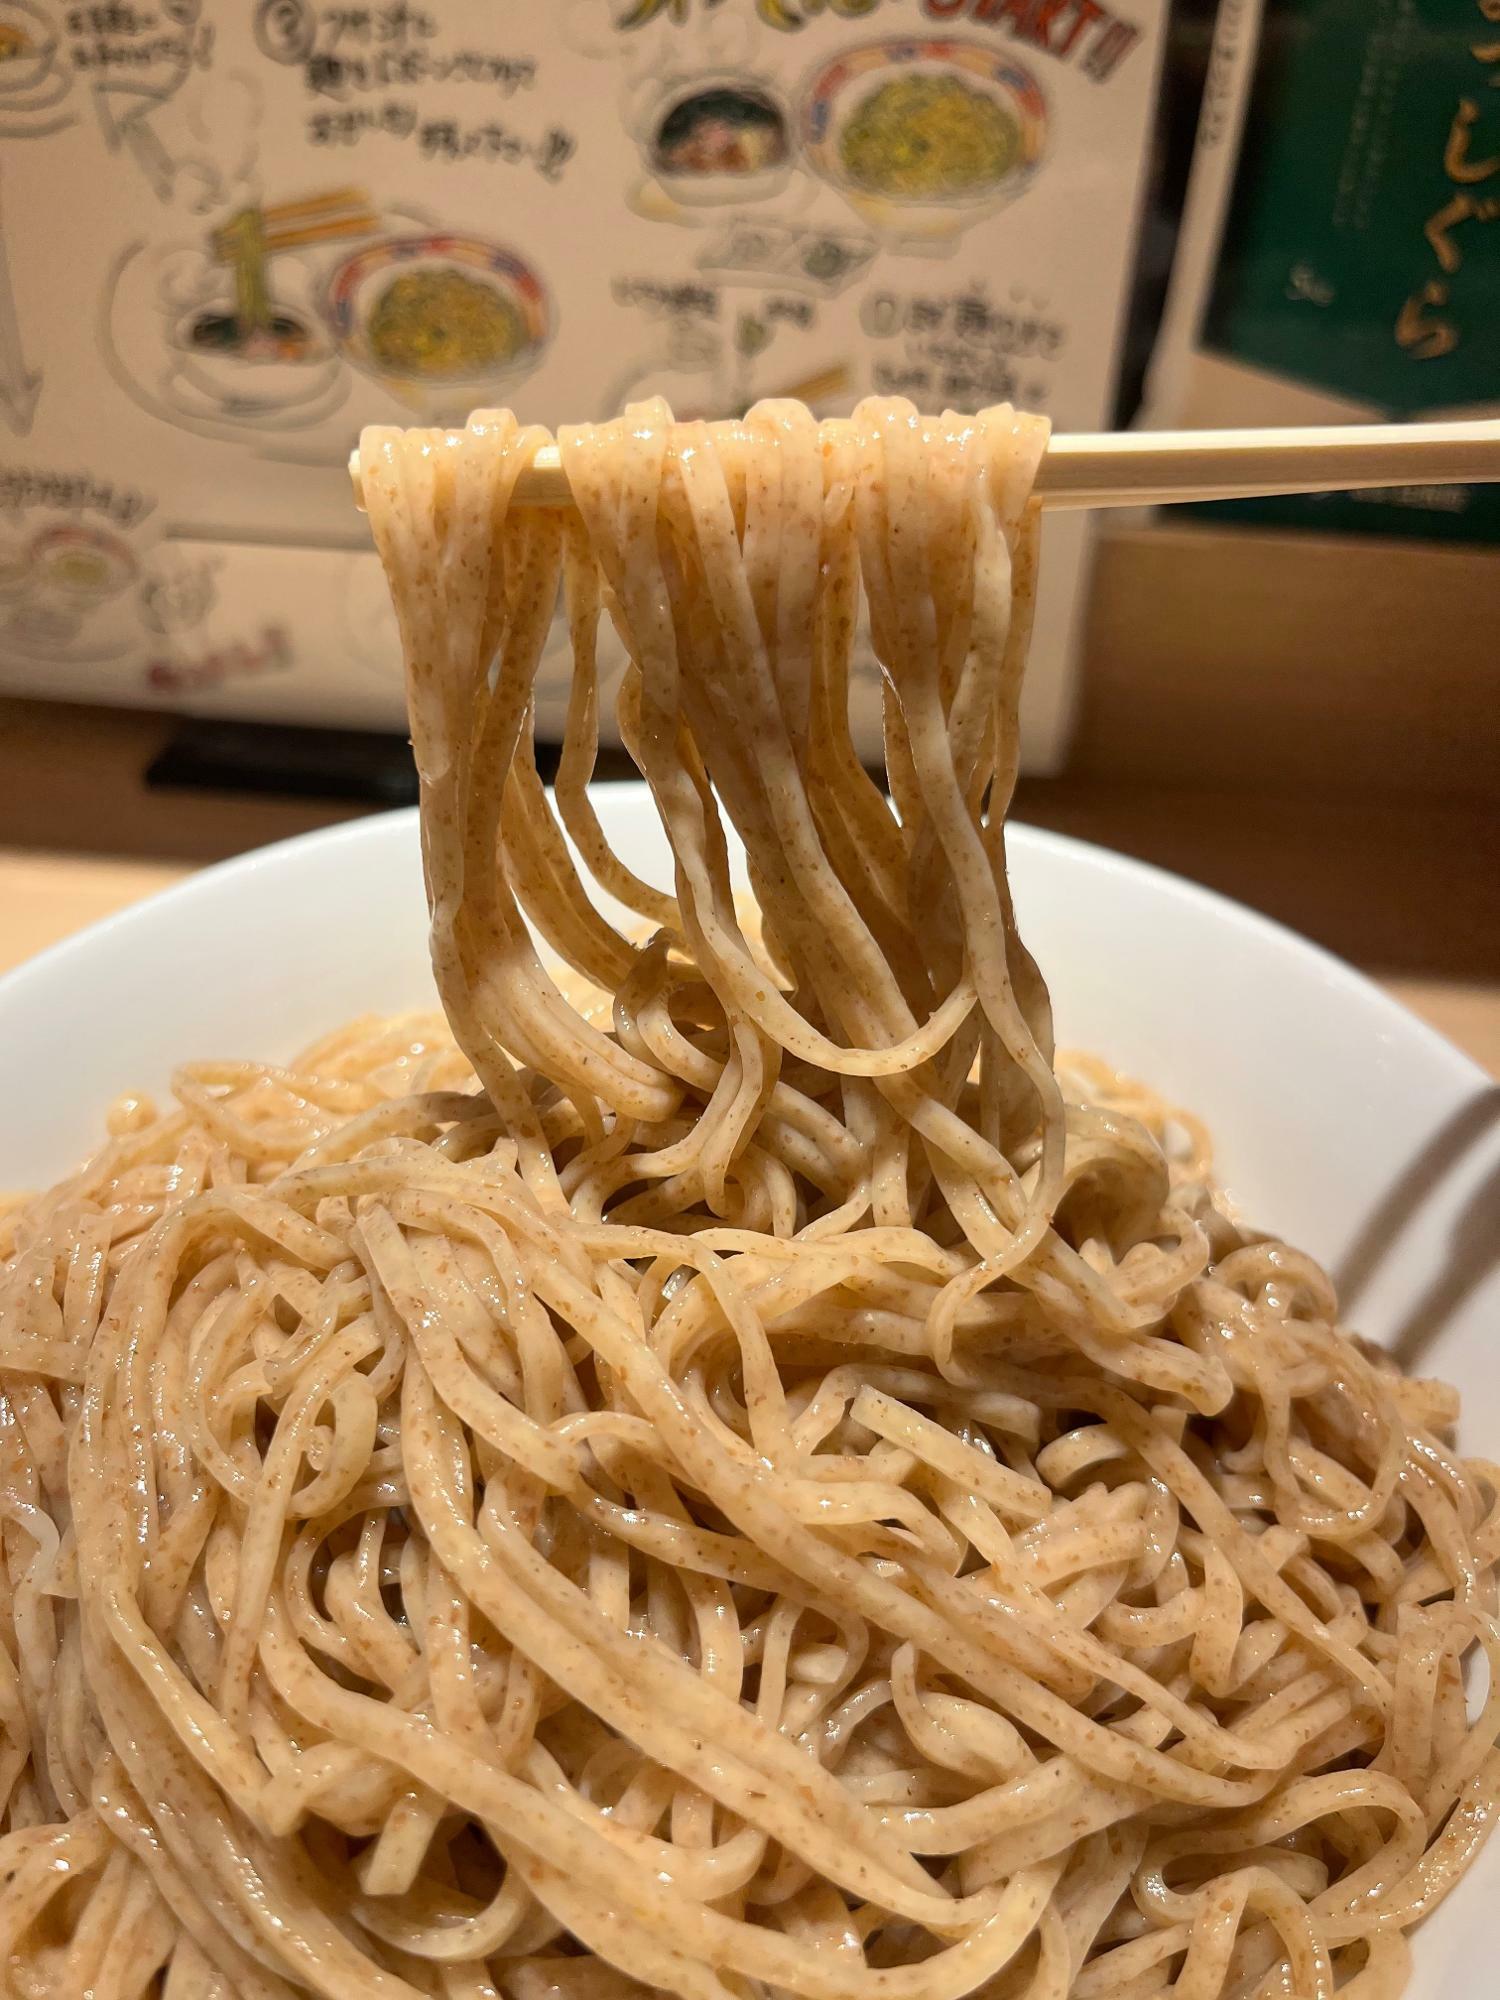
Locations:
column 45, row 897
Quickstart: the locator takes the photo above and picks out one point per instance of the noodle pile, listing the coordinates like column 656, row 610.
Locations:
column 773, row 1487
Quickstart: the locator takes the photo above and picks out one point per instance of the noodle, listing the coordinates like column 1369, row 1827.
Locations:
column 783, row 1486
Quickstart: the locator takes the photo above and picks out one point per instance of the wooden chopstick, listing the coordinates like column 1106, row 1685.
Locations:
column 1157, row 468
column 1150, row 468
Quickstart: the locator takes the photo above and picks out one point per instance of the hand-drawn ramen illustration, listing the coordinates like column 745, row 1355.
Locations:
column 922, row 138
column 708, row 139
column 64, row 588
column 223, row 332
column 724, row 139
column 246, row 326
column 34, row 77
column 62, row 596
column 82, row 564
column 435, row 316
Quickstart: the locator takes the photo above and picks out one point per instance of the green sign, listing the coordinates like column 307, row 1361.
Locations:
column 1361, row 254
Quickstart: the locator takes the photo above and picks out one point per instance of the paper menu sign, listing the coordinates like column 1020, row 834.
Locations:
column 230, row 237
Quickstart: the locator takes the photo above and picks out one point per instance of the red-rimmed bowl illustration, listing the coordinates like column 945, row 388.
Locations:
column 430, row 313
column 921, row 137
column 85, row 564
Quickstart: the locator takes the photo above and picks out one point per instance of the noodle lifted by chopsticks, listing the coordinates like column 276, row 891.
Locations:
column 778, row 1490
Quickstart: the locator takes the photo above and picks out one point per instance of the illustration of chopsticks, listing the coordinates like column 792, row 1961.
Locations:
column 288, row 225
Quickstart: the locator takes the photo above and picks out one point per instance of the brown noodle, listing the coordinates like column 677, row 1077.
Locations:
column 783, row 1488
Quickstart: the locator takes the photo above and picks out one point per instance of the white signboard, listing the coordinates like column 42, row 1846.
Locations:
column 231, row 234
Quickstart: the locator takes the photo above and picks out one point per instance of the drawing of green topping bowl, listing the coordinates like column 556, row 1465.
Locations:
column 433, row 316
column 923, row 137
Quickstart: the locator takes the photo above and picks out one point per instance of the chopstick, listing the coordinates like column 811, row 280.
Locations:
column 1157, row 468
column 359, row 222
column 320, row 218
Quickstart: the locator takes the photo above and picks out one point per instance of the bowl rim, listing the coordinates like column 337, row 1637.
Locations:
column 204, row 884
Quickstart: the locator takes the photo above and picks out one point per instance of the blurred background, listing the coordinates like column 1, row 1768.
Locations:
column 232, row 232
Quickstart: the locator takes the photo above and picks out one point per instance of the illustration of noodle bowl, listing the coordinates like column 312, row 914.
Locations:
column 249, row 348
column 923, row 137
column 28, row 47
column 29, row 59
column 433, row 314
column 277, row 365
column 85, row 564
column 716, row 138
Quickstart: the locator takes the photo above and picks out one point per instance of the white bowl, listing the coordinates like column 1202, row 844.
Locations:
column 1341, row 1122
